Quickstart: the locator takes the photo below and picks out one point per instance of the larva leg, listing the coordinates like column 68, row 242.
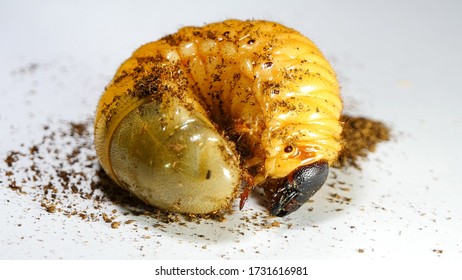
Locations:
column 250, row 184
column 294, row 190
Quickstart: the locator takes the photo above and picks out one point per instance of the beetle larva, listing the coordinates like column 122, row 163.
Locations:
column 187, row 118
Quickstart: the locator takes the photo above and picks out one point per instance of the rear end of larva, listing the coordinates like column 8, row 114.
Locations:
column 260, row 84
column 154, row 139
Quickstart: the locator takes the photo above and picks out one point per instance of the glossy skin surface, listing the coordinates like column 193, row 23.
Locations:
column 294, row 190
column 266, row 90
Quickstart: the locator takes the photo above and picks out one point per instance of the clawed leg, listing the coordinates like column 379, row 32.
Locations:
column 250, row 184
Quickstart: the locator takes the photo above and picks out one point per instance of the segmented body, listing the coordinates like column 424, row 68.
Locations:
column 263, row 85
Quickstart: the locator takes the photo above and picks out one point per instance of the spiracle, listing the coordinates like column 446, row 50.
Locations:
column 199, row 117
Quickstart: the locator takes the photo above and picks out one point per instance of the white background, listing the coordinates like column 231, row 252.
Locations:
column 397, row 61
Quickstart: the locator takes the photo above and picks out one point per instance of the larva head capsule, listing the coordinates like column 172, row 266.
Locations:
column 297, row 172
column 294, row 190
column 168, row 155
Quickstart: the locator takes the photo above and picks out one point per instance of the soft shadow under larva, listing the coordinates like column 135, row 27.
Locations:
column 62, row 174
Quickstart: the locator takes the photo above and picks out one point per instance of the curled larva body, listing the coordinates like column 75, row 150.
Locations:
column 263, row 92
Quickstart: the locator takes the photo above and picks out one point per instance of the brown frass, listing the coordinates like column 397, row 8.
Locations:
column 73, row 175
column 360, row 137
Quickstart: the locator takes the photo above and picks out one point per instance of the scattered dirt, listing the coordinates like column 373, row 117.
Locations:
column 63, row 168
column 360, row 137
